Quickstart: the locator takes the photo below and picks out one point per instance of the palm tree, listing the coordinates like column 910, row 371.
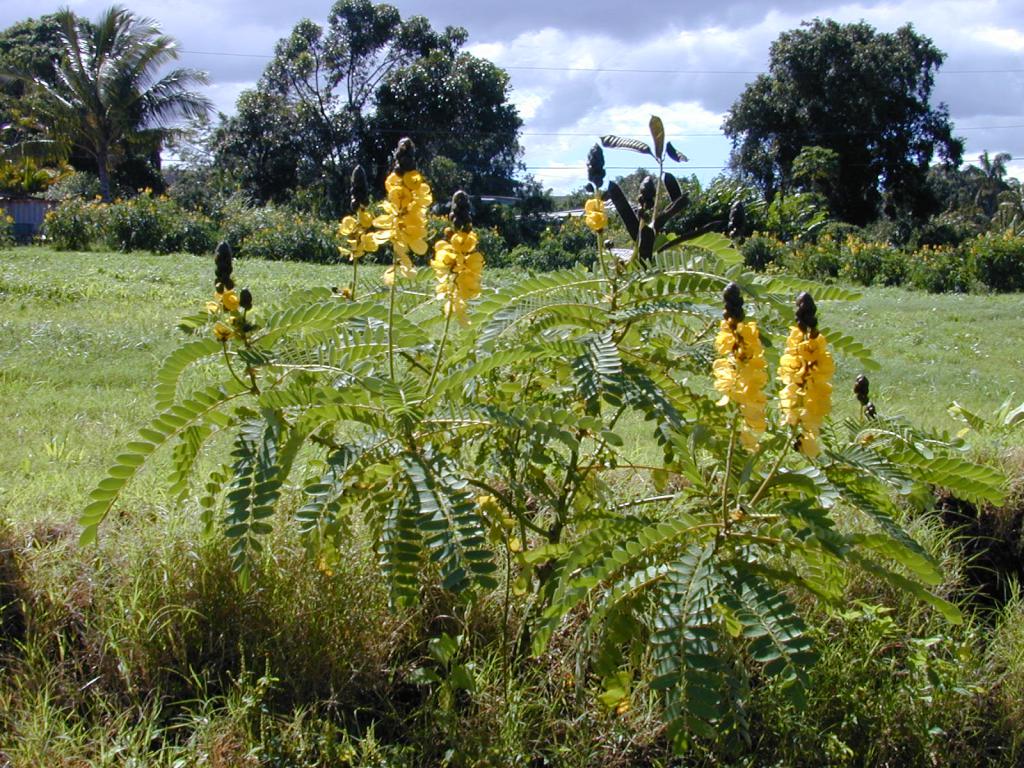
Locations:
column 989, row 181
column 107, row 87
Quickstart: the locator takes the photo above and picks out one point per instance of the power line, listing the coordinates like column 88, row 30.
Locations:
column 624, row 70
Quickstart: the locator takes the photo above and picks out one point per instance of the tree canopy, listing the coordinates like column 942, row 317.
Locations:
column 343, row 94
column 861, row 94
column 107, row 93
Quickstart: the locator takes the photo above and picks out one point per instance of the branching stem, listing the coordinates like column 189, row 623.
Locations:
column 440, row 351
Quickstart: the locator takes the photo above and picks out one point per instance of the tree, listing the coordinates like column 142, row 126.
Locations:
column 987, row 179
column 262, row 146
column 353, row 88
column 862, row 94
column 104, row 97
column 455, row 106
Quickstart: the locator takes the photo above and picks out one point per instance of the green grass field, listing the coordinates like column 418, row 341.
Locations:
column 84, row 332
column 186, row 670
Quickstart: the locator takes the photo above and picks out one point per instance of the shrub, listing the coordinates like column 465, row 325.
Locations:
column 561, row 246
column 999, row 261
column 270, row 232
column 760, row 251
column 869, row 263
column 938, row 269
column 6, row 230
column 494, row 247
column 949, row 228
column 288, row 236
column 482, row 459
column 816, row 261
column 75, row 224
column 838, row 231
column 78, row 184
column 158, row 224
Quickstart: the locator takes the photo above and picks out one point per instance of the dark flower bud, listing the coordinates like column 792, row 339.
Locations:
column 806, row 312
column 595, row 165
column 737, row 219
column 223, row 267
column 462, row 211
column 733, row 298
column 360, row 189
column 647, row 192
column 245, row 299
column 861, row 389
column 405, row 156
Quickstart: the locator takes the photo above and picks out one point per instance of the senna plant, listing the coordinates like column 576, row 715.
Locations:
column 490, row 451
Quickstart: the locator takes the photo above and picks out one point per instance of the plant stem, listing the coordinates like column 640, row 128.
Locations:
column 764, row 485
column 504, row 619
column 440, row 351
column 725, row 478
column 231, row 369
column 355, row 277
column 391, row 317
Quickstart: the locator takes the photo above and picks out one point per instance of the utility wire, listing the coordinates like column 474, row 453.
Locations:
column 626, row 70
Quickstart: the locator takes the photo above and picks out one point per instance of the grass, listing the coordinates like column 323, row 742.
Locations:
column 145, row 649
column 936, row 348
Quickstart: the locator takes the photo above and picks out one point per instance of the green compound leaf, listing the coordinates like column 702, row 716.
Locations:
column 949, row 611
column 453, row 531
column 777, row 635
column 325, row 494
column 794, row 285
column 969, row 480
column 163, row 428
column 259, row 470
column 526, row 300
column 688, row 667
column 183, row 458
column 174, row 366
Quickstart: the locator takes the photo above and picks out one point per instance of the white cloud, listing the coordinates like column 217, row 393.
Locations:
column 1011, row 39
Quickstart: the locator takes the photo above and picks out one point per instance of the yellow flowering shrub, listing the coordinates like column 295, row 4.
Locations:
column 485, row 461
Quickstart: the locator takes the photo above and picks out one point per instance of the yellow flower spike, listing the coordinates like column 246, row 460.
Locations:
column 740, row 372
column 805, row 370
column 458, row 267
column 594, row 214
column 402, row 221
column 356, row 237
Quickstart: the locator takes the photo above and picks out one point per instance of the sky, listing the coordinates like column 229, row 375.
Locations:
column 582, row 69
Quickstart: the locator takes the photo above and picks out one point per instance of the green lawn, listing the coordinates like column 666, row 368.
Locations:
column 84, row 334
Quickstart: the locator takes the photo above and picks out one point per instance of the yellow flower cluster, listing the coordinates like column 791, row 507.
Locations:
column 403, row 219
column 458, row 266
column 594, row 214
column 806, row 370
column 226, row 300
column 356, row 236
column 741, row 374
